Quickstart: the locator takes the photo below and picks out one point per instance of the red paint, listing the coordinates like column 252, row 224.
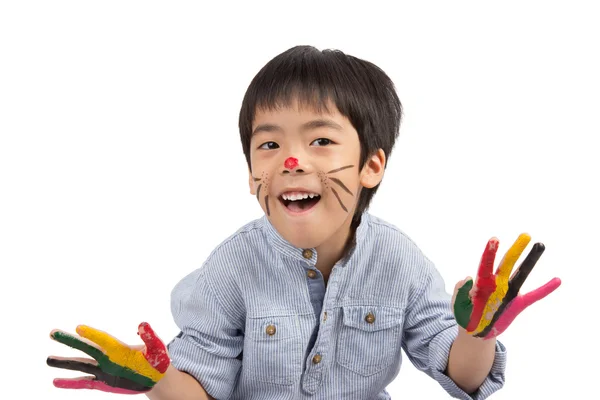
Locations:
column 156, row 351
column 485, row 284
column 291, row 163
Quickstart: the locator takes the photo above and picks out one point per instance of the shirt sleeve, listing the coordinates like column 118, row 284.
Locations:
column 210, row 341
column 430, row 330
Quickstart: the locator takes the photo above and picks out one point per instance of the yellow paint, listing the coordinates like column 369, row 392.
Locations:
column 120, row 353
column 502, row 278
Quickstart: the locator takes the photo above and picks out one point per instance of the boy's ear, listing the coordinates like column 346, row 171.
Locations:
column 251, row 183
column 372, row 173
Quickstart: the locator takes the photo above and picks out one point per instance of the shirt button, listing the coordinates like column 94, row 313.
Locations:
column 312, row 274
column 316, row 359
column 271, row 330
column 307, row 253
column 370, row 318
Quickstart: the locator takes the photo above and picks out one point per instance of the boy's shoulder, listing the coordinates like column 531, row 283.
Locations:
column 380, row 229
column 248, row 238
column 386, row 244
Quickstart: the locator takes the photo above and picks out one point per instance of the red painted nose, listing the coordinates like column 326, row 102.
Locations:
column 291, row 163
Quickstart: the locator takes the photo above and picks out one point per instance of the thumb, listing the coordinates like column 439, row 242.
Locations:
column 156, row 352
column 461, row 302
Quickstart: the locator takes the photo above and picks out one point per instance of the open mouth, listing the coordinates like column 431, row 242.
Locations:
column 298, row 202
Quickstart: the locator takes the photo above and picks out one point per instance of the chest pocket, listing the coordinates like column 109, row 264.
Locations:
column 272, row 349
column 370, row 338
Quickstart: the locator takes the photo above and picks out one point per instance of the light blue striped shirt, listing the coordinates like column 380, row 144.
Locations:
column 258, row 322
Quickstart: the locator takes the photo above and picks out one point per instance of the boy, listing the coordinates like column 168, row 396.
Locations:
column 317, row 298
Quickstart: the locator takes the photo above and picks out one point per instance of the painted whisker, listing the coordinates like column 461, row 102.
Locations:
column 263, row 180
column 337, row 196
column 267, row 205
column 340, row 169
column 336, row 180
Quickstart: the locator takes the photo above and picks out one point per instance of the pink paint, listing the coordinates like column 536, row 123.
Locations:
column 519, row 304
column 291, row 163
column 156, row 351
column 90, row 383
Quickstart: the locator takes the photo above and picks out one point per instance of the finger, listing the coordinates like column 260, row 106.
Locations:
column 91, row 383
column 108, row 343
column 541, row 292
column 82, row 365
column 80, row 359
column 90, row 367
column 121, row 354
column 520, row 303
column 77, row 343
column 119, row 367
column 515, row 284
column 484, row 289
column 512, row 255
column 156, row 351
column 521, row 274
column 486, row 265
column 485, row 285
column 462, row 304
column 494, row 301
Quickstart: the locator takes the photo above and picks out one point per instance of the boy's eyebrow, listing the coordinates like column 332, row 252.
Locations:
column 314, row 124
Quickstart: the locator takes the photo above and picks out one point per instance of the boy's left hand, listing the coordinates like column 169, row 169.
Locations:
column 488, row 308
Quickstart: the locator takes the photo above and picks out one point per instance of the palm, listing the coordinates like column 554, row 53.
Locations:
column 114, row 367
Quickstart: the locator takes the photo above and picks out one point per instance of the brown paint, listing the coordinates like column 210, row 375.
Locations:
column 336, row 180
column 340, row 169
column 338, row 197
column 258, row 191
column 267, row 205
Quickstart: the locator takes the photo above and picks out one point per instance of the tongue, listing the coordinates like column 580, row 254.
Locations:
column 301, row 205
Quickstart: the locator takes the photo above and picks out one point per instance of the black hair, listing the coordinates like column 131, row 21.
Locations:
column 360, row 90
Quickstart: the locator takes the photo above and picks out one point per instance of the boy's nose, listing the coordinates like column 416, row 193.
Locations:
column 291, row 164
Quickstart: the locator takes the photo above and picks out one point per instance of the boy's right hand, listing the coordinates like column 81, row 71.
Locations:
column 115, row 367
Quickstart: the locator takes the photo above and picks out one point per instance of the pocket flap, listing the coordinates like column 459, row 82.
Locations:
column 372, row 318
column 273, row 328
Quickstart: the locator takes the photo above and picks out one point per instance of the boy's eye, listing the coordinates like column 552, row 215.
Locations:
column 269, row 146
column 321, row 142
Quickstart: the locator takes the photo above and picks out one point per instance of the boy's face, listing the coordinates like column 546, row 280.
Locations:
column 305, row 172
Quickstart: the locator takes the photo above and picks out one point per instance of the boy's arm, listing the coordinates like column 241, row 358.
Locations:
column 209, row 345
column 178, row 385
column 432, row 342
column 470, row 360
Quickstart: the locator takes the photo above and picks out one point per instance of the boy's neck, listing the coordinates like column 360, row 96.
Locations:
column 334, row 249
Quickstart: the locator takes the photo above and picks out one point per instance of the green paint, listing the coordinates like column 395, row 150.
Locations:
column 104, row 362
column 463, row 307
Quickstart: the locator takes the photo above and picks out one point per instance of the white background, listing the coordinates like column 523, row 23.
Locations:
column 119, row 150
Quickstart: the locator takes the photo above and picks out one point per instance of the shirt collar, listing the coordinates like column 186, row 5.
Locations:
column 284, row 247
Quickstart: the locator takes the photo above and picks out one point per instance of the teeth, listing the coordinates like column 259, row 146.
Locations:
column 293, row 196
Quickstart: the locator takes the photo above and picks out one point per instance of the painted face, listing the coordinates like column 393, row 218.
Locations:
column 305, row 172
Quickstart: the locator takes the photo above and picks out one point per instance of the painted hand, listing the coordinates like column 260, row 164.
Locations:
column 115, row 367
column 488, row 308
